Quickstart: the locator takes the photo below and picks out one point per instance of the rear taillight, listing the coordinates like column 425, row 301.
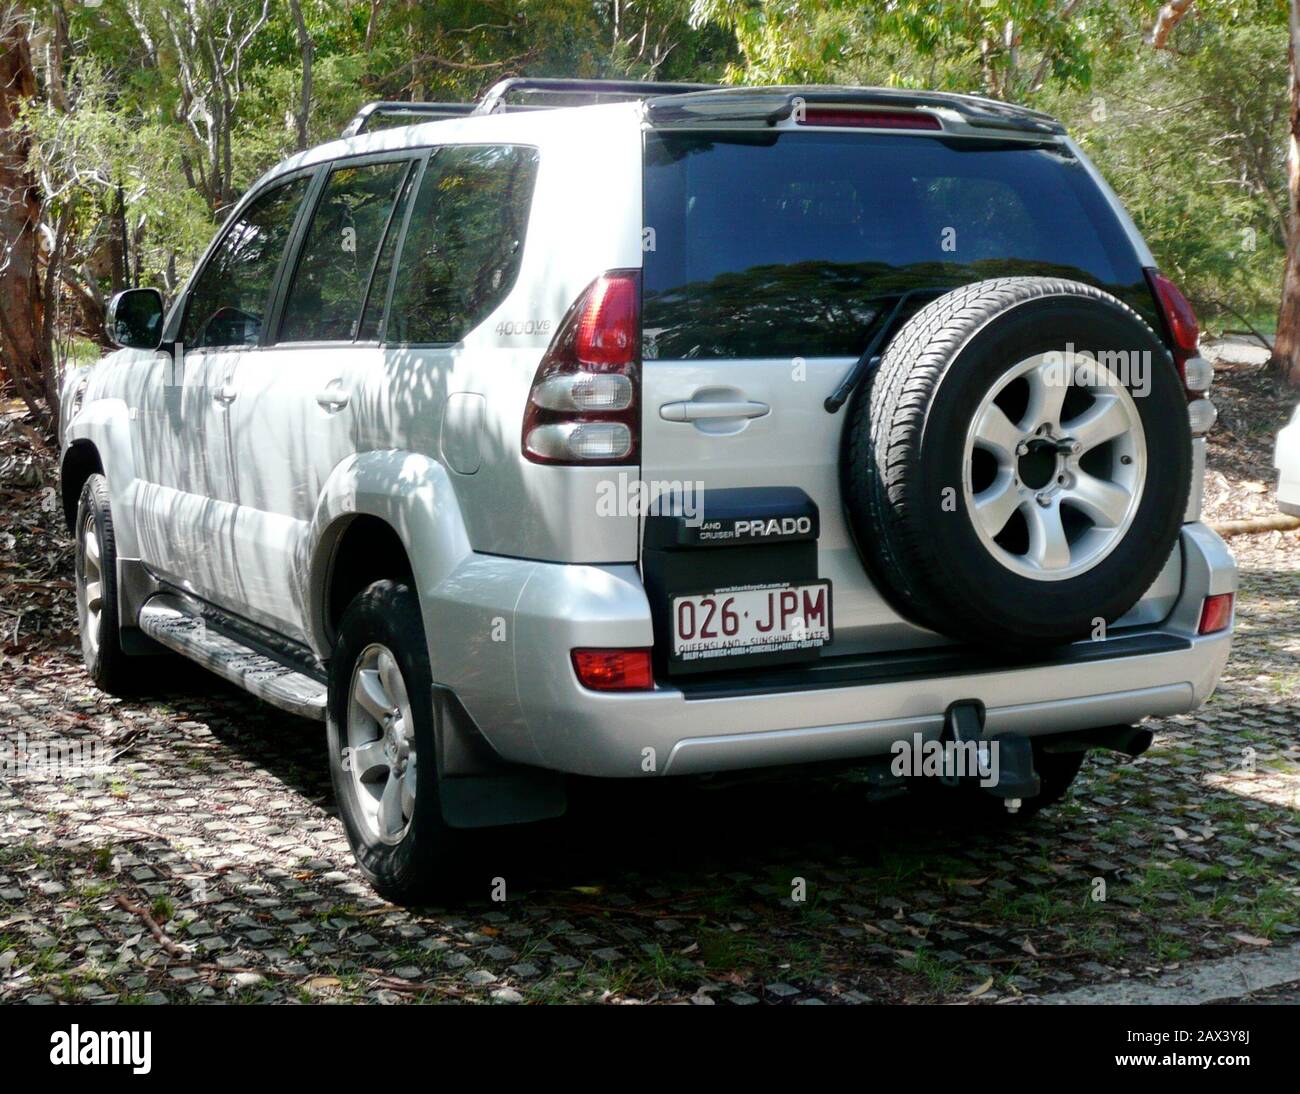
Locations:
column 847, row 117
column 583, row 406
column 1216, row 613
column 1184, row 331
column 1184, row 337
column 613, row 670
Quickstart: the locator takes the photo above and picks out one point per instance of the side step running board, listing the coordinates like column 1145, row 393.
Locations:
column 168, row 622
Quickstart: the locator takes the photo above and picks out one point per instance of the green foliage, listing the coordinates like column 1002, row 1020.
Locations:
column 159, row 114
column 1192, row 137
column 1194, row 142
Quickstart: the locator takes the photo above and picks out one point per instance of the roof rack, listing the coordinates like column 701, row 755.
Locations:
column 418, row 111
column 592, row 90
column 494, row 100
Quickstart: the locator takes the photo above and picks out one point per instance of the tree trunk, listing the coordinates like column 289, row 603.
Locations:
column 306, row 48
column 25, row 352
column 1286, row 349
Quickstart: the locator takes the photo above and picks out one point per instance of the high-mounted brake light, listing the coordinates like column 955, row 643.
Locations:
column 583, row 406
column 847, row 117
column 614, row 670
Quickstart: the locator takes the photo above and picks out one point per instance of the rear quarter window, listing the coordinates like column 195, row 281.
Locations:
column 462, row 250
column 768, row 245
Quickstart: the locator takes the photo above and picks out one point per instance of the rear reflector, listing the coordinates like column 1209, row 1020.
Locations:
column 868, row 119
column 613, row 670
column 1216, row 613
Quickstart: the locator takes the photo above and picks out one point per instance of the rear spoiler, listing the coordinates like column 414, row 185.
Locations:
column 688, row 104
column 743, row 106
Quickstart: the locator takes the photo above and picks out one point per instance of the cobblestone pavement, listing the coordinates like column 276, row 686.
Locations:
column 208, row 864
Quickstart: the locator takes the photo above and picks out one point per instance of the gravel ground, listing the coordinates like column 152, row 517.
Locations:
column 206, row 862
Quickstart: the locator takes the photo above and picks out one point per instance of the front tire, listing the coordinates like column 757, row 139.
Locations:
column 109, row 666
column 382, row 750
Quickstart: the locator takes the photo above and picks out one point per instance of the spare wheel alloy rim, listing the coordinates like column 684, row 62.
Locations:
column 1054, row 466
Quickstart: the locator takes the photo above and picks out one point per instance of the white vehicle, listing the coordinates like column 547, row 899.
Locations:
column 697, row 431
column 1286, row 459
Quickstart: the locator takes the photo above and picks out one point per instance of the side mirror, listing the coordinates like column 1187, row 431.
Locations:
column 135, row 319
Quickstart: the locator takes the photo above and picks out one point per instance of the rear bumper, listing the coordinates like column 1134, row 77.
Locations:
column 552, row 721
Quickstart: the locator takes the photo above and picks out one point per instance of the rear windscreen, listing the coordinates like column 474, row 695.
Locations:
column 793, row 244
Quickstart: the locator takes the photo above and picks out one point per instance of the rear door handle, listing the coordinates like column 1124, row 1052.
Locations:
column 693, row 411
column 333, row 397
column 225, row 394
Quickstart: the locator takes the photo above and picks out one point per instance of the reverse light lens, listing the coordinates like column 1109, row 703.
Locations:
column 1201, row 415
column 1216, row 613
column 1198, row 374
column 613, row 670
column 595, row 391
column 568, row 441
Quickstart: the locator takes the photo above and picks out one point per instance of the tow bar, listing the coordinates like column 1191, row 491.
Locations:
column 963, row 724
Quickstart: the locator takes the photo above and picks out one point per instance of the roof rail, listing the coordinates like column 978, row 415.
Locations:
column 494, row 100
column 422, row 112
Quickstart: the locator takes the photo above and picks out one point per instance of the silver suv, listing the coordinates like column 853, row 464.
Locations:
column 637, row 430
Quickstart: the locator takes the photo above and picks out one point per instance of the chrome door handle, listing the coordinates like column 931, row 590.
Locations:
column 692, row 411
column 225, row 394
column 333, row 397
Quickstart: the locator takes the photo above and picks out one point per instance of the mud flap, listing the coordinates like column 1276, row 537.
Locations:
column 478, row 789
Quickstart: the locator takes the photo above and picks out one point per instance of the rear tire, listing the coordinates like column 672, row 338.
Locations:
column 109, row 666
column 381, row 735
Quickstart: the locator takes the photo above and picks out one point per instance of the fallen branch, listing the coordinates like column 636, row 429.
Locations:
column 159, row 935
column 1274, row 522
column 386, row 982
column 1011, row 959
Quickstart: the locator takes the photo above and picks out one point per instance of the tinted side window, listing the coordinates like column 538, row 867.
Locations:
column 463, row 247
column 338, row 253
column 374, row 313
column 229, row 299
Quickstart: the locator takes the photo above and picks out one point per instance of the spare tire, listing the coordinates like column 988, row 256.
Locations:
column 1017, row 467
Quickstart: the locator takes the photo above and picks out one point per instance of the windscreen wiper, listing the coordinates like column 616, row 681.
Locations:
column 870, row 358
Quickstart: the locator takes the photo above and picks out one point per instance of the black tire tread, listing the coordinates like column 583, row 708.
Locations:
column 422, row 866
column 111, row 668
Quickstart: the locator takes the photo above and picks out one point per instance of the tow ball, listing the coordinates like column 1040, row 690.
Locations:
column 1009, row 755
